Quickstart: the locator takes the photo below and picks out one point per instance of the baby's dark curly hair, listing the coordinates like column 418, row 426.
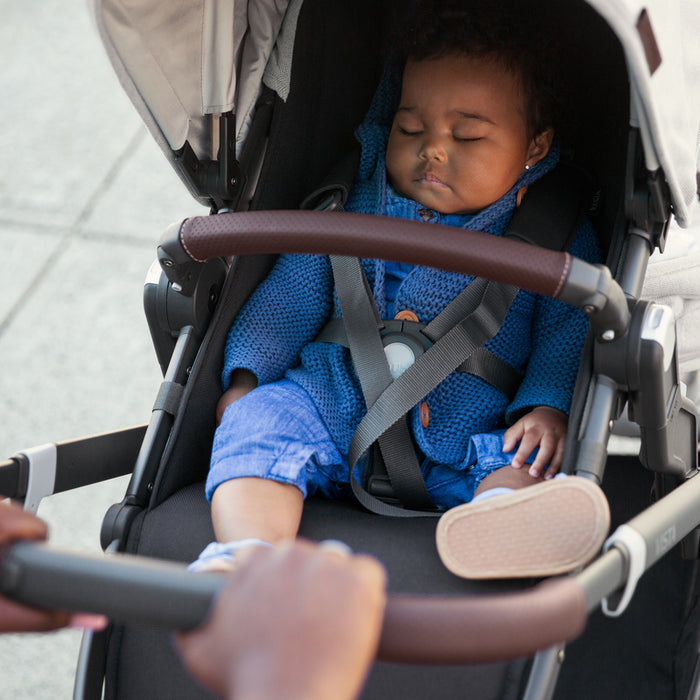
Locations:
column 509, row 32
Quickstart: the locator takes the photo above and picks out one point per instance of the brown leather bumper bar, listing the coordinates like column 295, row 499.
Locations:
column 550, row 273
column 482, row 629
column 361, row 235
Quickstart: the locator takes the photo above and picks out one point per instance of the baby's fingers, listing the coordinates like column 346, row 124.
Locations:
column 547, row 449
column 557, row 459
column 512, row 436
column 527, row 445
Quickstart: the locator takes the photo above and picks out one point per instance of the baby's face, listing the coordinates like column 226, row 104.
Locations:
column 459, row 139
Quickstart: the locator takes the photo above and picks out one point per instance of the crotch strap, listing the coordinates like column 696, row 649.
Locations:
column 367, row 351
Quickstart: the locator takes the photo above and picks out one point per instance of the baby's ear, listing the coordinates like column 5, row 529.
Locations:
column 539, row 146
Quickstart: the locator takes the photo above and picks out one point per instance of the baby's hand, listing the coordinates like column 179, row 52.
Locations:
column 544, row 427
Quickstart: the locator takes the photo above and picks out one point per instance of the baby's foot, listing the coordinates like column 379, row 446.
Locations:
column 220, row 557
column 540, row 530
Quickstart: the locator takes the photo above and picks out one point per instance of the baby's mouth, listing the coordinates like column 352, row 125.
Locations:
column 427, row 177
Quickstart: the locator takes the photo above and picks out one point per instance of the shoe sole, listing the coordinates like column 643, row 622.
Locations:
column 542, row 530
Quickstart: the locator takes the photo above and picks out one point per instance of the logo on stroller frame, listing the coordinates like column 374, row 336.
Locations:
column 666, row 540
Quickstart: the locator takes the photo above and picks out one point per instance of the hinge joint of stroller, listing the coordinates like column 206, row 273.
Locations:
column 222, row 178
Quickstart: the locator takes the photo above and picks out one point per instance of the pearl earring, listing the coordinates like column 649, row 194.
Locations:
column 527, row 167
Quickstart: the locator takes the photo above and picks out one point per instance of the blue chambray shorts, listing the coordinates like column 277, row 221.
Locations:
column 275, row 432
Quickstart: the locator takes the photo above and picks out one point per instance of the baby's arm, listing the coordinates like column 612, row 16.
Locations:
column 284, row 313
column 543, row 427
column 558, row 334
column 282, row 316
column 242, row 382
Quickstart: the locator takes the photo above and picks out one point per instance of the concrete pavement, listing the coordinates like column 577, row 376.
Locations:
column 84, row 196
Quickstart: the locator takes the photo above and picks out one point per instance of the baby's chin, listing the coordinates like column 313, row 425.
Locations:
column 440, row 208
column 432, row 198
column 430, row 203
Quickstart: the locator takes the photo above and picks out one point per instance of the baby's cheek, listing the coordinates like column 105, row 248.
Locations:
column 391, row 172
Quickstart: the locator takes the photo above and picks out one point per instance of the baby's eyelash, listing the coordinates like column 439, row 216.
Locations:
column 406, row 132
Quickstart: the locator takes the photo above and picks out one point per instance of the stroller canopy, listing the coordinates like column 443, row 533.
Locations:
column 183, row 62
column 663, row 61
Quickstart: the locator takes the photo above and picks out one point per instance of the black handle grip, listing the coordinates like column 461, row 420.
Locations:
column 123, row 587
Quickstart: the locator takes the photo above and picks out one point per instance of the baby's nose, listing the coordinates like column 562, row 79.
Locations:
column 432, row 149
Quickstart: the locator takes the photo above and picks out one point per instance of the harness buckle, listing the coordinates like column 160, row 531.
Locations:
column 403, row 343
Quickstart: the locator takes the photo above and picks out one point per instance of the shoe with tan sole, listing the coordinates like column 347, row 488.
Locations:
column 542, row 530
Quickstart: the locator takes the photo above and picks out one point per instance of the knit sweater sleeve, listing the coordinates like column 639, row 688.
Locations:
column 558, row 333
column 283, row 314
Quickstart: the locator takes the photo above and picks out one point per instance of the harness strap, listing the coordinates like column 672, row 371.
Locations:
column 481, row 362
column 362, row 328
column 433, row 367
column 458, row 309
column 496, row 371
column 385, row 422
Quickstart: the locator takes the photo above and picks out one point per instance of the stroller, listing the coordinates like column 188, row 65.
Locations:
column 638, row 137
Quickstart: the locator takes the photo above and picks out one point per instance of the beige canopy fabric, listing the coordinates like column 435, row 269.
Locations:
column 660, row 41
column 181, row 62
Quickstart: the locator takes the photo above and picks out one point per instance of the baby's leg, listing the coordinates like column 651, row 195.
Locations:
column 255, row 508
column 249, row 512
column 507, row 478
column 269, row 443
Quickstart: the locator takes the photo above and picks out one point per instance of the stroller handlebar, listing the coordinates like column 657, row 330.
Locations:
column 417, row 629
column 546, row 272
column 482, row 629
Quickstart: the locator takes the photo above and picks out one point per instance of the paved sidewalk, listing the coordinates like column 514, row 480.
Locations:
column 84, row 196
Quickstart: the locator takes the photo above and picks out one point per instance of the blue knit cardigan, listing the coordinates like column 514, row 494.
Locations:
column 273, row 335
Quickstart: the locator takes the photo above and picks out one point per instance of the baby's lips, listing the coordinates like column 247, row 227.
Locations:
column 430, row 179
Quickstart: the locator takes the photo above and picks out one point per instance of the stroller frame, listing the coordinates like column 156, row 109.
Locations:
column 181, row 301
